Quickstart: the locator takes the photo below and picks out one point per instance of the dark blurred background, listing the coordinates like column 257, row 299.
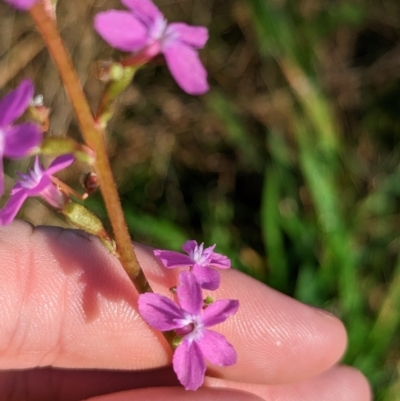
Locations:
column 289, row 163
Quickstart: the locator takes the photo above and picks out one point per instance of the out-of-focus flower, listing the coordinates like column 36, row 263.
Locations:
column 17, row 140
column 144, row 29
column 201, row 262
column 22, row 4
column 37, row 182
column 191, row 323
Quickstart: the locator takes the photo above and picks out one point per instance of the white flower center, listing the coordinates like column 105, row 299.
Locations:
column 199, row 255
column 161, row 32
column 32, row 178
column 197, row 323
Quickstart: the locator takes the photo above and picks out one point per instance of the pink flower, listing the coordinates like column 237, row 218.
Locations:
column 37, row 182
column 199, row 260
column 144, row 29
column 189, row 321
column 21, row 4
column 17, row 140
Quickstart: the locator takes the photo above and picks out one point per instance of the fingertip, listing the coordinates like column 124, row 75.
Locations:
column 355, row 384
column 278, row 339
column 179, row 394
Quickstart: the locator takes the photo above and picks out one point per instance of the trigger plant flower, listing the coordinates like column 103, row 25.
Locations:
column 200, row 260
column 144, row 31
column 17, row 140
column 191, row 324
column 37, row 182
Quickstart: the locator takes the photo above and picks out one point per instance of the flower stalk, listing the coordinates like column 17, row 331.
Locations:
column 94, row 138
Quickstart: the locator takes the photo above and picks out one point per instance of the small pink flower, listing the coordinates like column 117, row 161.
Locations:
column 200, row 261
column 17, row 140
column 22, row 4
column 144, row 29
column 192, row 323
column 37, row 182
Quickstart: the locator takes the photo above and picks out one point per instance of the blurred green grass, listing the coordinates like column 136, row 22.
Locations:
column 290, row 163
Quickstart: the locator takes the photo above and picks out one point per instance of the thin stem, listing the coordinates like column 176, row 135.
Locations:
column 94, row 138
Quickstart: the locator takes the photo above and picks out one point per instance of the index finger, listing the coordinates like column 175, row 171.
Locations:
column 66, row 302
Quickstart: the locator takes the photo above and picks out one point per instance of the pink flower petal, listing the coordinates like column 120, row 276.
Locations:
column 189, row 366
column 186, row 67
column 1, row 176
column 220, row 261
column 41, row 186
column 216, row 349
column 159, row 311
column 12, row 207
column 52, row 195
column 145, row 10
column 60, row 163
column 171, row 259
column 121, row 30
column 21, row 139
column 219, row 311
column 14, row 104
column 21, row 4
column 195, row 36
column 189, row 293
column 208, row 278
column 189, row 246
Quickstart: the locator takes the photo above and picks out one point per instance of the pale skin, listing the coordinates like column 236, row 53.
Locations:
column 68, row 306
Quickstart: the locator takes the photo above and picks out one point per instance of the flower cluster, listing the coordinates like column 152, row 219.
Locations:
column 17, row 140
column 21, row 140
column 191, row 319
column 143, row 29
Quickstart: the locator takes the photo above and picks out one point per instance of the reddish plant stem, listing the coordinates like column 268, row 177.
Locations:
column 94, row 138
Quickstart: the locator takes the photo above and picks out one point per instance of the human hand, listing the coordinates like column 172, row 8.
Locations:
column 68, row 307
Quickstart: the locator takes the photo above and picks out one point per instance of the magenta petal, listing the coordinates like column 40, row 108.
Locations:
column 21, row 4
column 60, row 163
column 53, row 196
column 159, row 311
column 1, row 176
column 208, row 278
column 195, row 36
column 189, row 246
column 14, row 104
column 220, row 261
column 121, row 30
column 171, row 259
column 186, row 67
column 12, row 207
column 40, row 188
column 189, row 293
column 145, row 10
column 216, row 349
column 189, row 366
column 219, row 311
column 21, row 139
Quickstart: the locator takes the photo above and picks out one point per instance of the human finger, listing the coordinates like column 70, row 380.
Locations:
column 68, row 303
column 339, row 383
column 52, row 384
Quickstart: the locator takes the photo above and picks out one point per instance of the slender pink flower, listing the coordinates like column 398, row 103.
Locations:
column 191, row 323
column 22, row 4
column 200, row 261
column 144, row 29
column 37, row 182
column 17, row 140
